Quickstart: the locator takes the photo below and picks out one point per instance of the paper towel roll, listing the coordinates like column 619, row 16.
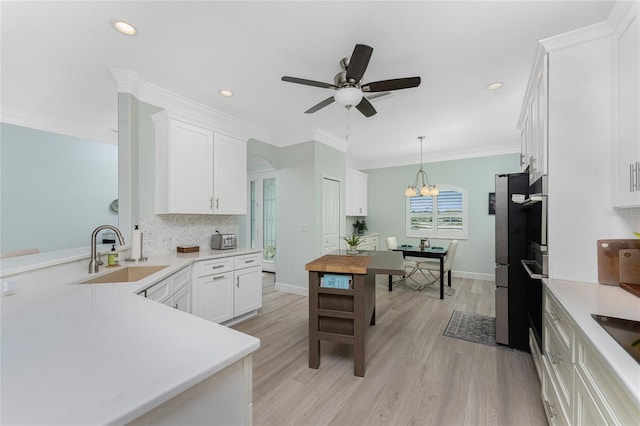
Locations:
column 136, row 244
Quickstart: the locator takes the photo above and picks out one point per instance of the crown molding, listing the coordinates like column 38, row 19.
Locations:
column 579, row 36
column 313, row 134
column 48, row 124
column 131, row 82
column 461, row 154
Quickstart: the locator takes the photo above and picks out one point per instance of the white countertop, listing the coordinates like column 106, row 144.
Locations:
column 583, row 299
column 101, row 354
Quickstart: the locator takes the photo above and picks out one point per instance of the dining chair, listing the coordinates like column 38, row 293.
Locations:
column 415, row 266
column 448, row 263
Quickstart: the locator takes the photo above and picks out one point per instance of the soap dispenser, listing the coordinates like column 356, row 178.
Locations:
column 112, row 258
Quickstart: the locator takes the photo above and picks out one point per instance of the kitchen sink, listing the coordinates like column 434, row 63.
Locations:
column 126, row 275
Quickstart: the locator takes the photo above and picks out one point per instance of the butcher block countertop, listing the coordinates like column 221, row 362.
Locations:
column 339, row 263
column 377, row 262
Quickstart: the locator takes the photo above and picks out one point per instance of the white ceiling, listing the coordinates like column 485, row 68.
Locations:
column 56, row 58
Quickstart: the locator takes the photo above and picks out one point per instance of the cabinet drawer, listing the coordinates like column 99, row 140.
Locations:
column 247, row 260
column 559, row 364
column 179, row 279
column 215, row 266
column 559, row 320
column 555, row 411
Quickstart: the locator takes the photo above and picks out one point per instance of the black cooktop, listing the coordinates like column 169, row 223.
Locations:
column 624, row 331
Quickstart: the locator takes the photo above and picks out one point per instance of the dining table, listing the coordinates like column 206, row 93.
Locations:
column 428, row 252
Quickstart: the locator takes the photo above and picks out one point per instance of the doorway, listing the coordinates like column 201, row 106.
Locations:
column 330, row 215
column 262, row 212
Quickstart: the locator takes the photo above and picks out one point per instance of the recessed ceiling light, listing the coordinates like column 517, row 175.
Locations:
column 495, row 85
column 124, row 27
column 226, row 93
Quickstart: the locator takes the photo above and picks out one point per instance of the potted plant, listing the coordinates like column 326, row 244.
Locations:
column 360, row 226
column 353, row 242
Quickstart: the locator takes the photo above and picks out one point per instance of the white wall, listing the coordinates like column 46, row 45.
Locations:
column 580, row 151
column 56, row 189
column 386, row 205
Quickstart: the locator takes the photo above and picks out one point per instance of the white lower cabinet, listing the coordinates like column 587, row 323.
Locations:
column 215, row 289
column 369, row 242
column 181, row 300
column 248, row 292
column 174, row 291
column 578, row 386
column 229, row 287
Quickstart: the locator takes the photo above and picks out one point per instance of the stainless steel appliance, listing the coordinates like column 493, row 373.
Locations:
column 536, row 264
column 511, row 247
column 224, row 241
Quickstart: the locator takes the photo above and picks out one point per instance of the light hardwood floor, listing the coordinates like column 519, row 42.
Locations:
column 414, row 374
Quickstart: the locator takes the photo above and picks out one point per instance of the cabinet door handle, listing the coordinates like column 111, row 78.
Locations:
column 176, row 306
column 249, row 261
column 217, row 266
column 555, row 359
column 218, row 277
column 211, row 203
column 217, row 206
column 238, row 282
column 555, row 317
column 549, row 409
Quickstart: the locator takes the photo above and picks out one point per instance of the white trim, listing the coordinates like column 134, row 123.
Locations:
column 131, row 82
column 314, row 134
column 461, row 154
column 290, row 288
column 40, row 122
column 579, row 36
column 473, row 275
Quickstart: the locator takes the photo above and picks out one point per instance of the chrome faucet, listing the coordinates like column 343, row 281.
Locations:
column 95, row 262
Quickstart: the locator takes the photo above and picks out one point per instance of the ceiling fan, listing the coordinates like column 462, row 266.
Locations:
column 347, row 83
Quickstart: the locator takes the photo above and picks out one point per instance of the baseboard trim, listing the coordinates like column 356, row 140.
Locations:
column 474, row 275
column 290, row 288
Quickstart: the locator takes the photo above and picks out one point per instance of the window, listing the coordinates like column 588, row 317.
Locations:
column 444, row 216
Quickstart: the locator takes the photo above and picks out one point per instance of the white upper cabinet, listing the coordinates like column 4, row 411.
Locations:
column 184, row 167
column 229, row 175
column 533, row 121
column 197, row 170
column 625, row 110
column 356, row 194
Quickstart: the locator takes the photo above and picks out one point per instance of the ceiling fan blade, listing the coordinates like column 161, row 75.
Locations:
column 319, row 106
column 358, row 62
column 393, row 84
column 366, row 108
column 308, row 82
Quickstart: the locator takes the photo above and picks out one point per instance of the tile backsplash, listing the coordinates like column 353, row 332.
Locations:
column 163, row 233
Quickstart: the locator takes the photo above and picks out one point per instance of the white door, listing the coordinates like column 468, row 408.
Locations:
column 330, row 215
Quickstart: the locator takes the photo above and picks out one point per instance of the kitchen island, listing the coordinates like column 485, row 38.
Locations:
column 102, row 354
column 343, row 315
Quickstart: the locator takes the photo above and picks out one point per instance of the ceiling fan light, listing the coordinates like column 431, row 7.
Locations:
column 348, row 96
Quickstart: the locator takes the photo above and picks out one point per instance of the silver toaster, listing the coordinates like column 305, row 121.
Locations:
column 224, row 241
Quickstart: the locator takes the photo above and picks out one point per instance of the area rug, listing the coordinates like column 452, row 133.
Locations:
column 472, row 327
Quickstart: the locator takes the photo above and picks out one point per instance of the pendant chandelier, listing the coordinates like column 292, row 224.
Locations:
column 426, row 189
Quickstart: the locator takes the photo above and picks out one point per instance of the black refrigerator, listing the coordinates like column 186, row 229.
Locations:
column 511, row 247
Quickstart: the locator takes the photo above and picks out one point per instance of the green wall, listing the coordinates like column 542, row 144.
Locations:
column 386, row 204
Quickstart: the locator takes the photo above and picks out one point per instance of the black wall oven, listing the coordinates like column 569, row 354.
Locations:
column 536, row 263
